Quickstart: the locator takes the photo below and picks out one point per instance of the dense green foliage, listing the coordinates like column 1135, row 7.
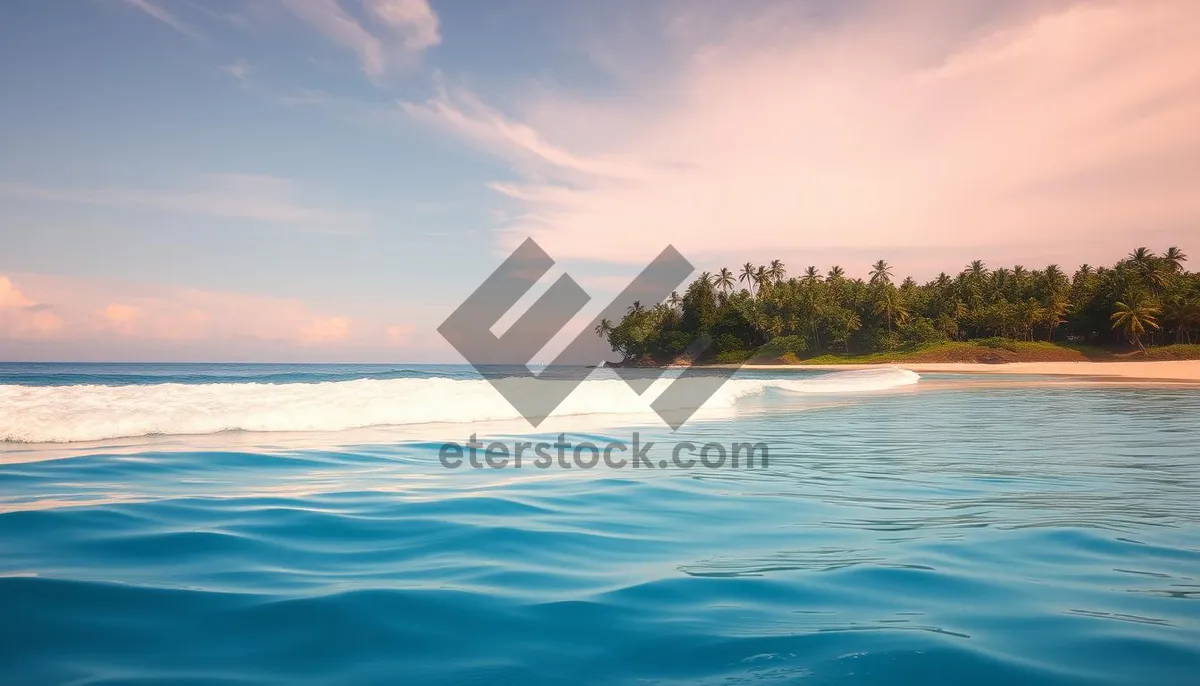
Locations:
column 1143, row 299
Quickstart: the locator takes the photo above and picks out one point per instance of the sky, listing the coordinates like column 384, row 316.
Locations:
column 326, row 180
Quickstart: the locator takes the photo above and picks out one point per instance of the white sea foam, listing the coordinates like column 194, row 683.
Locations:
column 60, row 414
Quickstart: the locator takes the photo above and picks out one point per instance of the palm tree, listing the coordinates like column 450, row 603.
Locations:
column 1029, row 313
column 881, row 273
column 761, row 276
column 604, row 328
column 724, row 280
column 1055, row 279
column 747, row 275
column 1141, row 257
column 1135, row 318
column 1174, row 258
column 1144, row 299
column 850, row 324
column 1184, row 315
column 1000, row 278
column 1143, row 261
column 891, row 307
column 1053, row 313
column 1019, row 273
column 776, row 272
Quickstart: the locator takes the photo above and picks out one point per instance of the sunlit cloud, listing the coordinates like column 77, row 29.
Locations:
column 325, row 330
column 399, row 334
column 10, row 297
column 1071, row 125
column 22, row 317
column 122, row 318
column 114, row 313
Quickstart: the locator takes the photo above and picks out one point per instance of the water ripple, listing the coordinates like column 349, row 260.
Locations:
column 1033, row 536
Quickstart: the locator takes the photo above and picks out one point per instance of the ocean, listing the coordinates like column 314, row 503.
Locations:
column 299, row 524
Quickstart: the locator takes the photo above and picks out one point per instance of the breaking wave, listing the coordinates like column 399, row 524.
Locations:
column 62, row 414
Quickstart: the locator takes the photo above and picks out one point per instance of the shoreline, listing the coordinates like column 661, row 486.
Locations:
column 1165, row 370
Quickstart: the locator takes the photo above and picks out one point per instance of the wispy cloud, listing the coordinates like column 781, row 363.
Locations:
column 241, row 71
column 383, row 34
column 461, row 112
column 400, row 29
column 259, row 198
column 156, row 10
column 1072, row 123
column 413, row 21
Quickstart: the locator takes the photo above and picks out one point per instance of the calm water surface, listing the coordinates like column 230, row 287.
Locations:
column 936, row 533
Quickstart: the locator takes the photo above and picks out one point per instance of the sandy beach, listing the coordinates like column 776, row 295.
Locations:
column 1173, row 370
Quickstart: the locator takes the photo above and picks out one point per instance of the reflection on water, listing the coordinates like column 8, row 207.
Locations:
column 973, row 533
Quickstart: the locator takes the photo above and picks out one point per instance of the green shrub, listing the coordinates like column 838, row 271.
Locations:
column 728, row 342
column 781, row 345
column 997, row 342
column 1177, row 351
column 733, row 356
column 918, row 332
column 674, row 342
column 885, row 341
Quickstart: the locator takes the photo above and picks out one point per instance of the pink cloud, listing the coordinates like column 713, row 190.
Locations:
column 56, row 317
column 121, row 315
column 400, row 334
column 1068, row 129
column 325, row 330
column 10, row 297
column 23, row 318
column 170, row 318
column 100, row 308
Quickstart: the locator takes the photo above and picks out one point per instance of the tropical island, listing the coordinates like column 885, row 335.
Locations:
column 1145, row 307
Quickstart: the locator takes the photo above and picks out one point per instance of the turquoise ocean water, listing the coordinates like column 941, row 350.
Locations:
column 292, row 524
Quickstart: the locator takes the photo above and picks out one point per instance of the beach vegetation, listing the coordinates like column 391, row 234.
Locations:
column 1146, row 305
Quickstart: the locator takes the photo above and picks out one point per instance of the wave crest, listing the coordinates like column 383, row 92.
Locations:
column 63, row 414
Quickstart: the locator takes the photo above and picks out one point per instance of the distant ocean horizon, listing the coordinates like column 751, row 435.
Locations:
column 293, row 524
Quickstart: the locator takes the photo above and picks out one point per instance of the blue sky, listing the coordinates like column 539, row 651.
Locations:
column 327, row 179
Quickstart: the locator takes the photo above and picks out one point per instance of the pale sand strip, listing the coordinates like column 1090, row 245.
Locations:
column 1173, row 370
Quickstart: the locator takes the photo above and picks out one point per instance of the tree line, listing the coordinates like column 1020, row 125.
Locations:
column 1144, row 299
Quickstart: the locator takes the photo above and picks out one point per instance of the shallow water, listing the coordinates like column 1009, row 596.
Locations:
column 936, row 533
